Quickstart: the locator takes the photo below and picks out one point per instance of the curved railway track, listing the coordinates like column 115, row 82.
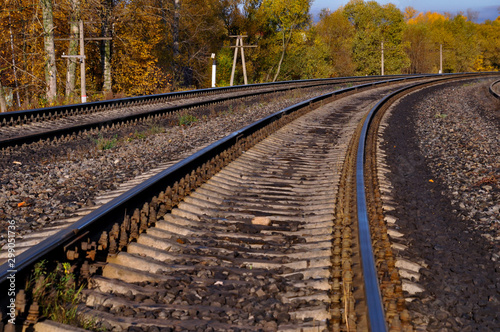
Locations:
column 35, row 237
column 495, row 89
column 268, row 229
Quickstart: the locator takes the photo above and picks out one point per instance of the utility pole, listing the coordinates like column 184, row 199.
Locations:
column 239, row 45
column 382, row 60
column 82, row 64
column 81, row 57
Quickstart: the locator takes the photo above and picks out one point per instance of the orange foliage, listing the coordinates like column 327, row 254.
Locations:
column 428, row 17
column 135, row 66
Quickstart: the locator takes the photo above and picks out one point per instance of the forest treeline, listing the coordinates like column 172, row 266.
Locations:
column 137, row 47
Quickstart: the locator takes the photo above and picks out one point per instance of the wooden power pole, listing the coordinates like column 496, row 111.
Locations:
column 81, row 57
column 239, row 45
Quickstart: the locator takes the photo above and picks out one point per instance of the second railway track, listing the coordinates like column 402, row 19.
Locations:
column 24, row 127
column 264, row 236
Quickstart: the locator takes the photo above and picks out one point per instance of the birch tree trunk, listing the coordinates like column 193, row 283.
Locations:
column 175, row 37
column 175, row 28
column 73, row 48
column 14, row 65
column 285, row 45
column 50, row 53
column 106, row 46
column 106, row 62
column 3, row 102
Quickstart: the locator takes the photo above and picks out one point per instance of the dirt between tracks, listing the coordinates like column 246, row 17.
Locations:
column 442, row 146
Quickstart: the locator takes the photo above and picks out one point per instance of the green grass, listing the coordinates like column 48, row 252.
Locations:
column 103, row 143
column 55, row 292
column 58, row 294
column 187, row 119
column 136, row 135
column 440, row 116
column 152, row 130
column 156, row 129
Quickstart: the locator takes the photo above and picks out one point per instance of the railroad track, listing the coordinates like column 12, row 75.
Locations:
column 33, row 238
column 23, row 127
column 265, row 229
column 494, row 89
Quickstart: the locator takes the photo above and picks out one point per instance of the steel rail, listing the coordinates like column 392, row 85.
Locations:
column 492, row 91
column 27, row 115
column 376, row 313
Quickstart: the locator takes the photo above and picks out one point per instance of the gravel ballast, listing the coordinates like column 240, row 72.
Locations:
column 43, row 183
column 443, row 152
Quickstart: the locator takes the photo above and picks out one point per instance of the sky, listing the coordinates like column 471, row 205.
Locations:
column 487, row 9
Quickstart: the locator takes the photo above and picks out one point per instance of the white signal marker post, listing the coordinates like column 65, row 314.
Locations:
column 213, row 70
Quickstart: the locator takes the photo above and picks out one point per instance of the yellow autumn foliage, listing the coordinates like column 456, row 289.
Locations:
column 135, row 66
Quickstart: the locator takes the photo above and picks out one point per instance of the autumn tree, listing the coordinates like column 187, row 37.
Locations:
column 231, row 16
column 374, row 25
column 22, row 60
column 285, row 17
column 337, row 34
column 175, row 40
column 434, row 33
column 202, row 33
column 192, row 31
column 420, row 50
column 419, row 46
column 489, row 44
column 464, row 48
column 3, row 62
column 457, row 35
column 134, row 63
column 307, row 57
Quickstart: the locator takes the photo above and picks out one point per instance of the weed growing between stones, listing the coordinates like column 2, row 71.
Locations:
column 56, row 293
column 187, row 119
column 106, row 143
